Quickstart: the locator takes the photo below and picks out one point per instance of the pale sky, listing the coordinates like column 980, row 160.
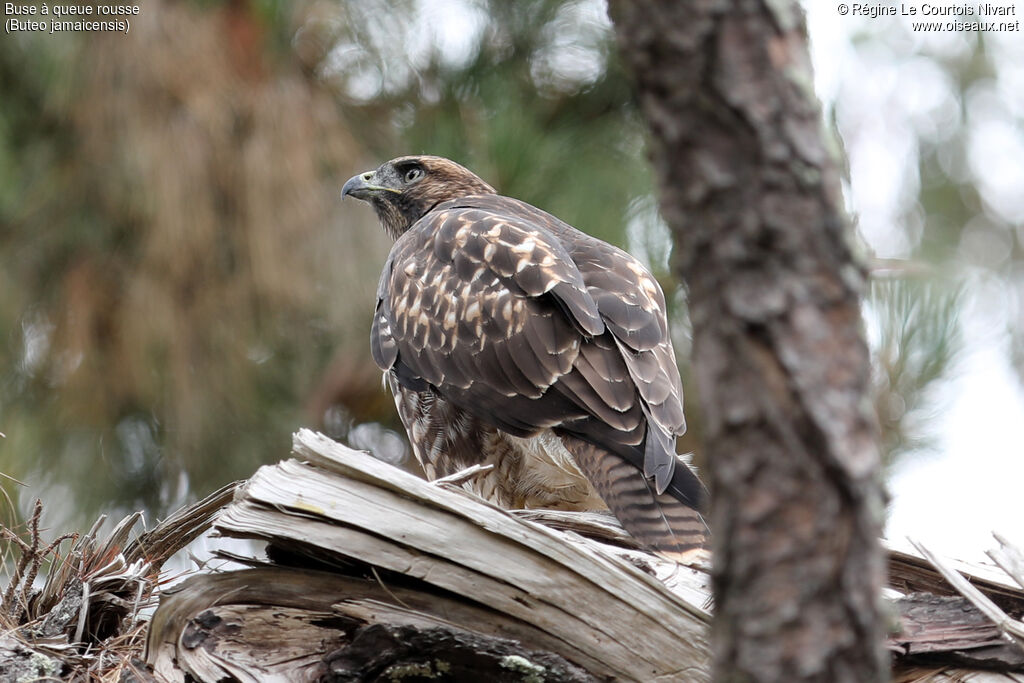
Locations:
column 950, row 498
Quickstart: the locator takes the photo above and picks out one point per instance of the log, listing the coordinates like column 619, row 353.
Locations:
column 374, row 574
column 405, row 552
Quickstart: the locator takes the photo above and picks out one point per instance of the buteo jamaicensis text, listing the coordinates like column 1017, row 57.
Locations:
column 509, row 337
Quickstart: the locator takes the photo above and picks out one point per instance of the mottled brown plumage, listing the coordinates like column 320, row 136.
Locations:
column 511, row 338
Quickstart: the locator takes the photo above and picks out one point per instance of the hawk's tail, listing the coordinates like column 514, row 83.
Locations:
column 659, row 521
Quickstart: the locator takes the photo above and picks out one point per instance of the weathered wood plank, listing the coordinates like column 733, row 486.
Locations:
column 216, row 625
column 367, row 557
column 331, row 455
column 504, row 599
column 601, row 608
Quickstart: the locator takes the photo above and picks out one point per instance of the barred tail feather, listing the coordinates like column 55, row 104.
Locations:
column 657, row 520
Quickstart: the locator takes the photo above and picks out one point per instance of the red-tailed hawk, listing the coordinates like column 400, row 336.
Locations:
column 509, row 337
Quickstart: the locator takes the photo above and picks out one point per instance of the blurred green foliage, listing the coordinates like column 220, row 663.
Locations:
column 182, row 287
column 179, row 285
column 956, row 220
column 916, row 342
column 553, row 127
column 170, row 239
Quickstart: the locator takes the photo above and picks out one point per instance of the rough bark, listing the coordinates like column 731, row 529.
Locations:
column 750, row 189
column 937, row 623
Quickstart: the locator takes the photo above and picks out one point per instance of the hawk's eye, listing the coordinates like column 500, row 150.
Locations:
column 413, row 174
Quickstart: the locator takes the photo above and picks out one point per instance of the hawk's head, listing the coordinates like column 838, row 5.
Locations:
column 403, row 190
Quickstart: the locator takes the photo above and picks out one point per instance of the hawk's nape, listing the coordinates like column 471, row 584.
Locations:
column 511, row 338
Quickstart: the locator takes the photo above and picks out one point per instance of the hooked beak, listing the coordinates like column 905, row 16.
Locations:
column 361, row 186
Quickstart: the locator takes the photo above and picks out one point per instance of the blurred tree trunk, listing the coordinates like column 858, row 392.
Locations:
column 751, row 192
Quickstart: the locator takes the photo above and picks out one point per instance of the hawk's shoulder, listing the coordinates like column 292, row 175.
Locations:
column 630, row 301
column 487, row 307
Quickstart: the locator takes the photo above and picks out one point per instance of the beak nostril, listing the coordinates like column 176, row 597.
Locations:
column 367, row 176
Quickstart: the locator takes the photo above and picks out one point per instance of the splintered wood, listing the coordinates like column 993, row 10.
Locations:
column 373, row 574
column 405, row 552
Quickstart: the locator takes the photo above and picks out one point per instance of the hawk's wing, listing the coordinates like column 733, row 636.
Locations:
column 527, row 324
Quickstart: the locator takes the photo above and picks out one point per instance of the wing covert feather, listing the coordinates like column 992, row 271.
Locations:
column 527, row 324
